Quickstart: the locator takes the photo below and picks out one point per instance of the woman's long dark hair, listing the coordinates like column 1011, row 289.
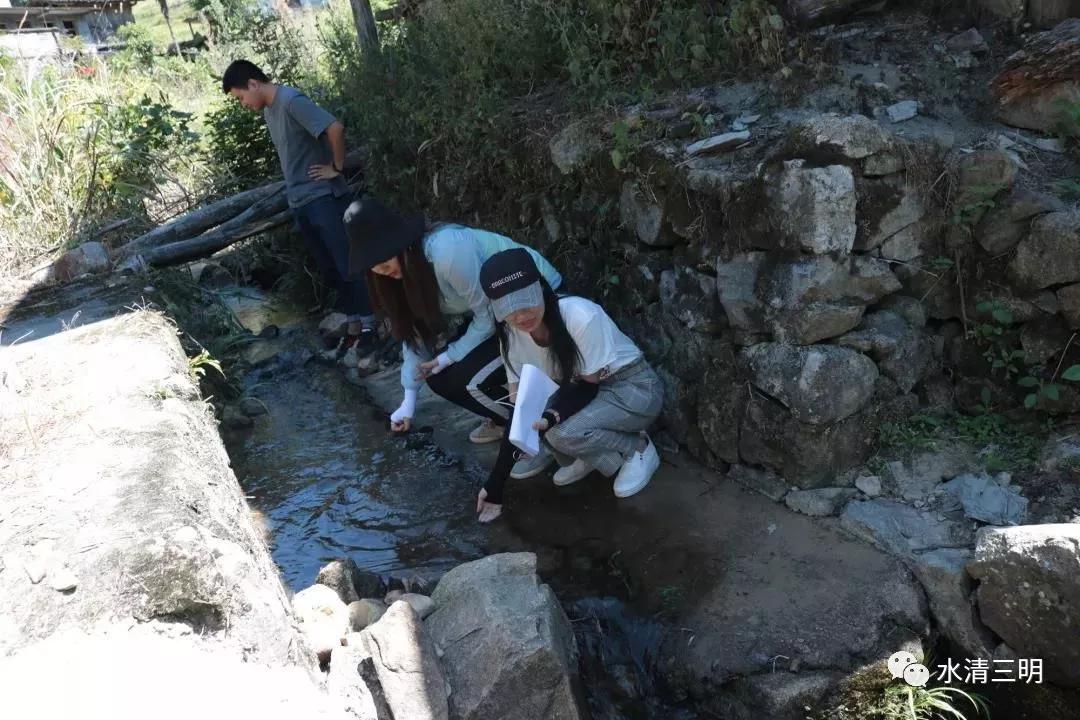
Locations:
column 567, row 353
column 413, row 304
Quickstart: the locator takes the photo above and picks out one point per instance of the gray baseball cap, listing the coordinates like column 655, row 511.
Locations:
column 511, row 282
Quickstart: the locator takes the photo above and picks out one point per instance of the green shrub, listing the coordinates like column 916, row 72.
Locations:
column 239, row 146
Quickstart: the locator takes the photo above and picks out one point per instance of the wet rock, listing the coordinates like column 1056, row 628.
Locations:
column 691, row 297
column 574, row 147
column 718, row 143
column 808, row 455
column 767, row 483
column 819, row 384
column 869, row 485
column 1050, row 255
column 363, row 613
column 902, row 352
column 252, row 407
column 642, row 215
column 509, row 650
column 86, row 259
column 324, row 619
column 900, row 529
column 1029, row 593
column 820, row 502
column 337, row 576
column 815, row 207
column 950, row 591
column 736, row 282
column 901, row 111
column 985, row 500
column 233, row 418
column 1008, row 221
column 422, row 605
column 1061, row 451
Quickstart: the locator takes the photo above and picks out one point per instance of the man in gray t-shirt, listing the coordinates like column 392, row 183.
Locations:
column 310, row 144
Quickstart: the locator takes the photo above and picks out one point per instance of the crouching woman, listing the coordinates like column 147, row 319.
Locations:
column 608, row 394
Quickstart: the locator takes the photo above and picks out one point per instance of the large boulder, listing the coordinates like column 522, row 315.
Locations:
column 1050, row 255
column 736, row 283
column 807, row 455
column 644, row 216
column 886, row 207
column 691, row 297
column 815, row 207
column 812, row 299
column 950, row 591
column 1008, row 221
column 851, row 137
column 508, row 647
column 1037, row 83
column 398, row 663
column 1029, row 593
column 820, row 385
column 574, row 147
column 901, row 351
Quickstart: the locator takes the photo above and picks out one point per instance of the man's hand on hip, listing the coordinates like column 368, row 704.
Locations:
column 322, row 172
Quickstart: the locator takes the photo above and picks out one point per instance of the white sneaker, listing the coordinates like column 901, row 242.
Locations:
column 571, row 473
column 637, row 471
column 531, row 467
column 486, row 432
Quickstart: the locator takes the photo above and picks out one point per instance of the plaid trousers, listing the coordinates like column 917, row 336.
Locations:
column 606, row 432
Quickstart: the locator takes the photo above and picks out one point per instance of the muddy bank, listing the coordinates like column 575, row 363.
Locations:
column 128, row 550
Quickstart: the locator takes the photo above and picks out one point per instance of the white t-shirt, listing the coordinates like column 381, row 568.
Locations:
column 604, row 348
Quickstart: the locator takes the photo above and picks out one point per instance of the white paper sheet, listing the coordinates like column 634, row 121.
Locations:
column 534, row 389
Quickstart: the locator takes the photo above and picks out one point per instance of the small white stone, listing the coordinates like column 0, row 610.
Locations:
column 63, row 580
column 422, row 605
column 718, row 142
column 393, row 596
column 870, row 484
column 902, row 111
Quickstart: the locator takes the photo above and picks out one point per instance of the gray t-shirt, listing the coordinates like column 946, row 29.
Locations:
column 297, row 127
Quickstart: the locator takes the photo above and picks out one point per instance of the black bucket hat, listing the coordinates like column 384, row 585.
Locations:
column 377, row 233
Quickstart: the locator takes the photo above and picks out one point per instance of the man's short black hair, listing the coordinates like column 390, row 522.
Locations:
column 239, row 73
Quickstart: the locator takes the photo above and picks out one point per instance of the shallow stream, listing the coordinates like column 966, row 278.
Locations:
column 331, row 482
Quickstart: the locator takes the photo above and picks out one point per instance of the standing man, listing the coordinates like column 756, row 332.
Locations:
column 310, row 143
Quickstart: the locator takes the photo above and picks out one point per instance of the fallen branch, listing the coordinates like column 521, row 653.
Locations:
column 201, row 219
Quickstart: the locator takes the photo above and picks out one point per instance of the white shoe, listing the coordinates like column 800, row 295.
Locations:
column 486, row 432
column 531, row 467
column 636, row 472
column 571, row 473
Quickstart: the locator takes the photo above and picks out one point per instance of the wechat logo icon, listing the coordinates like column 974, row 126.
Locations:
column 905, row 665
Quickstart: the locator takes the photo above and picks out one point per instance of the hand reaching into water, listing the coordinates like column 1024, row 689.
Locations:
column 401, row 426
column 486, row 511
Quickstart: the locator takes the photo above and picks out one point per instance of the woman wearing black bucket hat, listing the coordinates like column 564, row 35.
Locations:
column 418, row 275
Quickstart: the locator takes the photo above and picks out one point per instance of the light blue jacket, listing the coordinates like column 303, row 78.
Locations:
column 456, row 253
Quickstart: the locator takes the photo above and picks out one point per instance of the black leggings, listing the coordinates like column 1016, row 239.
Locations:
column 476, row 383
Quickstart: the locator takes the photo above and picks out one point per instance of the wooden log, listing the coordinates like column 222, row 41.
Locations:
column 209, row 243
column 199, row 220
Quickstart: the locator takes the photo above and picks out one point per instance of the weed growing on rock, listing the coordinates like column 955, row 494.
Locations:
column 1000, row 443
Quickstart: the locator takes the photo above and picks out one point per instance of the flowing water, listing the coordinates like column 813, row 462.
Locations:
column 331, row 482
